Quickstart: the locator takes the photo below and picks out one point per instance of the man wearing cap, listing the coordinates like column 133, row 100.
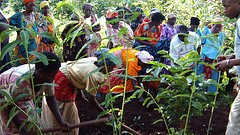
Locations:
column 168, row 30
column 45, row 24
column 25, row 19
column 134, row 60
column 179, row 47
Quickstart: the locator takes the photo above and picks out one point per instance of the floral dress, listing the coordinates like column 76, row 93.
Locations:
column 21, row 21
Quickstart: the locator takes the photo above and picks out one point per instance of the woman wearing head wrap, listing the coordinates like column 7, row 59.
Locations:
column 134, row 60
column 85, row 74
column 31, row 81
column 26, row 19
column 114, row 26
column 45, row 24
column 169, row 30
column 211, row 51
column 152, row 31
column 93, row 35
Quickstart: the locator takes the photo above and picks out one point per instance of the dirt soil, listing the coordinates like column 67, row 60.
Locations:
column 141, row 119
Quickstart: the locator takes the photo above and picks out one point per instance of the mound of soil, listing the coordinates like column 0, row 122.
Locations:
column 141, row 119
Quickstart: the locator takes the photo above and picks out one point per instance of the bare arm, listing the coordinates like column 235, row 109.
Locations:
column 227, row 64
column 52, row 104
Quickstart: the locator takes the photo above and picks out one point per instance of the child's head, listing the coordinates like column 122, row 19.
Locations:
column 231, row 8
column 87, row 10
column 46, row 73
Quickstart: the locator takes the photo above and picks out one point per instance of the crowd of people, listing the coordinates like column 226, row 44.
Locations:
column 134, row 43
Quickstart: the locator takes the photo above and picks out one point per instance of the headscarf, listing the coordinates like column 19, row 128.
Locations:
column 26, row 1
column 144, row 56
column 172, row 15
column 43, row 4
column 111, row 14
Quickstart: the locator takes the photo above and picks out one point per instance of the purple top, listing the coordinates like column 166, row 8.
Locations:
column 168, row 31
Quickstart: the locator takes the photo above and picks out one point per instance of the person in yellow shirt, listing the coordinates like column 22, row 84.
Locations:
column 45, row 24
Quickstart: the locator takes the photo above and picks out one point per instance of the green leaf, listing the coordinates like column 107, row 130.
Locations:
column 41, row 57
column 83, row 47
column 137, row 92
column 146, row 100
column 12, row 114
column 66, row 4
column 20, row 96
column 51, row 37
column 31, row 32
column 9, row 47
column 4, row 105
column 23, row 124
column 10, row 26
column 182, row 96
column 6, row 94
column 4, row 34
column 197, row 105
column 157, row 121
column 150, row 103
column 25, row 38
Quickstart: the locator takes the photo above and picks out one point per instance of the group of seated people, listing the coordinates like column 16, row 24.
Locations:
column 132, row 46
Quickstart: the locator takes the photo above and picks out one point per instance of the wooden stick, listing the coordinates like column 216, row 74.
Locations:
column 82, row 124
column 89, row 123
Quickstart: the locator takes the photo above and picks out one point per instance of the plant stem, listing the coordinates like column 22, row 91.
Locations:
column 214, row 102
column 190, row 103
column 160, row 110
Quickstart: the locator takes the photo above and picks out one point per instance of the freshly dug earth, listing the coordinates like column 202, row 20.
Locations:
column 141, row 119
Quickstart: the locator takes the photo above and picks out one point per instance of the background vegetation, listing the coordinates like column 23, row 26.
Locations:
column 183, row 99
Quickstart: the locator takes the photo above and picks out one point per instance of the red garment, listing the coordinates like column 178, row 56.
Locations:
column 144, row 30
column 114, row 80
column 208, row 69
column 65, row 91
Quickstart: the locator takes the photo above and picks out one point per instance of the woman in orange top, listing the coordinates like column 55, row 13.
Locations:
column 134, row 60
column 150, row 30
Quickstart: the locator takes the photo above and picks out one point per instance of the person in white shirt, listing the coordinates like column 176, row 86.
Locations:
column 183, row 43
